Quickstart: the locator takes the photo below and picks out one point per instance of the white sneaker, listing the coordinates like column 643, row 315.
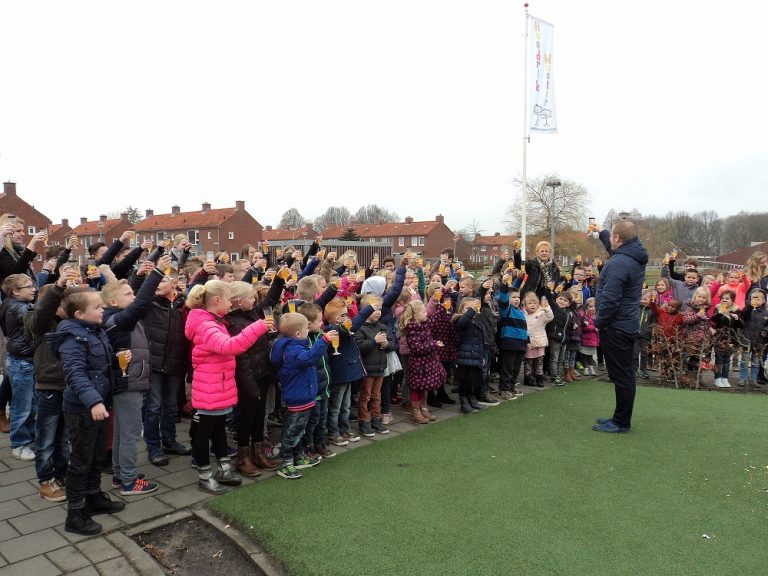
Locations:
column 724, row 383
column 24, row 453
column 719, row 382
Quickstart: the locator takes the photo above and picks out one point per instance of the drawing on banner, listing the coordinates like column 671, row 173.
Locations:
column 543, row 117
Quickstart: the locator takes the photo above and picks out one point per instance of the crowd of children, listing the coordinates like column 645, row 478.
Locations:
column 101, row 359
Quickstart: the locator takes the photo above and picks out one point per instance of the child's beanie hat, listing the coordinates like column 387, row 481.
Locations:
column 374, row 285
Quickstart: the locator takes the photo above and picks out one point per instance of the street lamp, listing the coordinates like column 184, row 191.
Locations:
column 554, row 184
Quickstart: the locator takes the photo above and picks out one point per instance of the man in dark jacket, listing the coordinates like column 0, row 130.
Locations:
column 618, row 317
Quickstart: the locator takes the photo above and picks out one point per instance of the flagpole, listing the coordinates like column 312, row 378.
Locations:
column 524, row 215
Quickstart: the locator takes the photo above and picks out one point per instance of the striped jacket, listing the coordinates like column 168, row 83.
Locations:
column 513, row 329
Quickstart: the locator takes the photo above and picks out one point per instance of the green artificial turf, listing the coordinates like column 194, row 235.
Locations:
column 527, row 488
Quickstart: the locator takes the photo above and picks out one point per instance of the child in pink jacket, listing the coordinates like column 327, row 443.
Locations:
column 214, row 391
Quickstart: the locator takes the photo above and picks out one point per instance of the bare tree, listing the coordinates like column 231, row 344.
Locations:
column 708, row 230
column 570, row 208
column 373, row 214
column 471, row 230
column 333, row 216
column 291, row 219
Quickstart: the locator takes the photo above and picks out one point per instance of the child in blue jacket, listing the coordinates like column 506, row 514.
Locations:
column 296, row 362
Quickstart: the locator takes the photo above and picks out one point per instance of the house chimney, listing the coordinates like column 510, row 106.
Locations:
column 148, row 213
column 268, row 228
column 408, row 220
column 65, row 223
column 240, row 204
column 206, row 206
column 103, row 218
column 124, row 216
column 9, row 188
column 83, row 220
column 175, row 210
column 497, row 234
column 308, row 226
column 439, row 219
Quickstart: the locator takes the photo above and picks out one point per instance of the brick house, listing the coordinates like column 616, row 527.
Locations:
column 740, row 256
column 104, row 229
column 209, row 230
column 34, row 220
column 58, row 233
column 428, row 237
column 486, row 250
column 304, row 235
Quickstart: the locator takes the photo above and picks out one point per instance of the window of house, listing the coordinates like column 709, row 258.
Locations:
column 160, row 237
column 495, row 248
column 194, row 236
column 421, row 240
column 483, row 248
column 234, row 256
column 209, row 235
column 414, row 240
column 401, row 241
column 373, row 239
column 231, row 235
column 31, row 230
column 385, row 239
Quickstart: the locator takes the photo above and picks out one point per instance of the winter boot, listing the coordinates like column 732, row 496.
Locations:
column 425, row 412
column 207, row 483
column 442, row 396
column 100, row 503
column 245, row 465
column 260, row 458
column 473, row 403
column 466, row 408
column 5, row 424
column 225, row 475
column 540, row 381
column 569, row 375
column 78, row 522
column 416, row 416
column 528, row 381
column 432, row 399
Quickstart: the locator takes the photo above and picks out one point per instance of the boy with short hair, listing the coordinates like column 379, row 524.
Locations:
column 314, row 436
column 683, row 290
column 122, row 322
column 51, row 438
column 643, row 342
column 164, row 324
column 513, row 337
column 559, row 331
column 296, row 361
column 86, row 358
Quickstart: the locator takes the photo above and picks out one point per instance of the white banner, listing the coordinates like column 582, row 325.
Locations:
column 541, row 81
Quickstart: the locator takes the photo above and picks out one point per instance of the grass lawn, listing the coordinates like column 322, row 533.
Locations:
column 527, row 488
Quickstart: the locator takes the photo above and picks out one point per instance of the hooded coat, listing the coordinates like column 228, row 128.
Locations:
column 620, row 285
column 213, row 358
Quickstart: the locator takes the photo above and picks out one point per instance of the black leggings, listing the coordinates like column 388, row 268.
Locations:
column 469, row 380
column 213, row 428
column 250, row 427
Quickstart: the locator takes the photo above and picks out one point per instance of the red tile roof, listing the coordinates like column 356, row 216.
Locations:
column 742, row 255
column 198, row 219
column 92, row 227
column 287, row 234
column 53, row 229
column 391, row 230
column 494, row 240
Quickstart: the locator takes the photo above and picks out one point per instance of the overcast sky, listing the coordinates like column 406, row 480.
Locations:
column 413, row 105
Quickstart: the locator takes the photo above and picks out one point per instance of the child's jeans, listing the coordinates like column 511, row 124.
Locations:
column 749, row 367
column 88, row 439
column 370, row 390
column 314, row 435
column 486, row 385
column 22, row 375
column 641, row 349
column 294, row 426
column 556, row 359
column 722, row 364
column 338, row 408
column 51, row 437
column 126, row 434
column 160, row 411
